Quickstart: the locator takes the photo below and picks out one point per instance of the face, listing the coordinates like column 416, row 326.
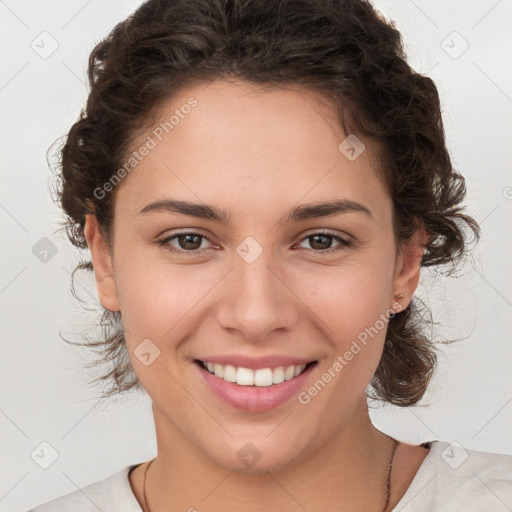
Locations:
column 271, row 283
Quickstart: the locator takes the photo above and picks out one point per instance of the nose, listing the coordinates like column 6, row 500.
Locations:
column 258, row 300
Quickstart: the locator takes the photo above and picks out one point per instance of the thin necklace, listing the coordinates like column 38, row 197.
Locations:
column 388, row 478
column 144, row 486
column 388, row 474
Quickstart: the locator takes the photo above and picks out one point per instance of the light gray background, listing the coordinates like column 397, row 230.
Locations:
column 45, row 397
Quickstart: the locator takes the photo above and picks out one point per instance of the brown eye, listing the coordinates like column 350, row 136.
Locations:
column 323, row 242
column 320, row 241
column 189, row 242
column 184, row 243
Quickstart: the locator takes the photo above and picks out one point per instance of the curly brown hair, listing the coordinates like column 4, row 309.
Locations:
column 345, row 51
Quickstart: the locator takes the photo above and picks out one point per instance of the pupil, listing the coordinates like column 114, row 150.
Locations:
column 322, row 246
column 185, row 241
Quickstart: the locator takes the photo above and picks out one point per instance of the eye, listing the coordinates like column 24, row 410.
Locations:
column 321, row 242
column 188, row 242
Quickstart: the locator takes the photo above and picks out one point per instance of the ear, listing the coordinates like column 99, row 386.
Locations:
column 102, row 264
column 407, row 270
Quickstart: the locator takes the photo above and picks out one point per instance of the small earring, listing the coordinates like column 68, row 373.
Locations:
column 399, row 296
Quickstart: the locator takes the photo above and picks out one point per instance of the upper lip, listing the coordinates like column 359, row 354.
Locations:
column 255, row 363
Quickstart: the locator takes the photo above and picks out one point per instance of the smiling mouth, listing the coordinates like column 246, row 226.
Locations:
column 262, row 377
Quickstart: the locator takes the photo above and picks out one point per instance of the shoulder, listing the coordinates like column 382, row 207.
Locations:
column 113, row 494
column 455, row 478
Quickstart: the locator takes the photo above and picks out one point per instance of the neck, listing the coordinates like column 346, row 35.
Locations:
column 348, row 472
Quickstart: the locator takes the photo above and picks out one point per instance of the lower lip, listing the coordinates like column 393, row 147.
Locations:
column 254, row 398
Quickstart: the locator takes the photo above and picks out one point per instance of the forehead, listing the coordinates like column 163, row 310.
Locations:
column 240, row 143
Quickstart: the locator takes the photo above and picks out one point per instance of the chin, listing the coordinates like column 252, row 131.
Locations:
column 275, row 463
column 257, row 456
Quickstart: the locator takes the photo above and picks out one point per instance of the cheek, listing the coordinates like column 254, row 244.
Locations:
column 151, row 301
column 350, row 299
column 157, row 298
column 353, row 311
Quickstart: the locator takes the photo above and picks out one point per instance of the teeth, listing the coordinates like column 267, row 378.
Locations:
column 289, row 373
column 218, row 369
column 299, row 369
column 244, row 377
column 229, row 373
column 278, row 375
column 262, row 377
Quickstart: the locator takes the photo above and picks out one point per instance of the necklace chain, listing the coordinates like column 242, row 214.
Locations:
column 388, row 475
column 144, row 486
column 388, row 479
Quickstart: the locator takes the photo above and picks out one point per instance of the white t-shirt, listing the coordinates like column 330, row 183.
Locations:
column 450, row 479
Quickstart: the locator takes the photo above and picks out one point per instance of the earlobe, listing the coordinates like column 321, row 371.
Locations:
column 408, row 268
column 102, row 263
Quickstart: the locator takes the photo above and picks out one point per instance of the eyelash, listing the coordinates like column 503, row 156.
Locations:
column 344, row 243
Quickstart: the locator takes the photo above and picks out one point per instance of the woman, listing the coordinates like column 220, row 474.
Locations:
column 259, row 184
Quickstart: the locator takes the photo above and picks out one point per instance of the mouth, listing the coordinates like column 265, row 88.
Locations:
column 260, row 377
column 258, row 389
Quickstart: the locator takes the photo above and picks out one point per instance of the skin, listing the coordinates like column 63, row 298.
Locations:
column 258, row 153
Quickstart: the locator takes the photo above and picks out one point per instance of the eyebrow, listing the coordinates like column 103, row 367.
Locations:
column 300, row 213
